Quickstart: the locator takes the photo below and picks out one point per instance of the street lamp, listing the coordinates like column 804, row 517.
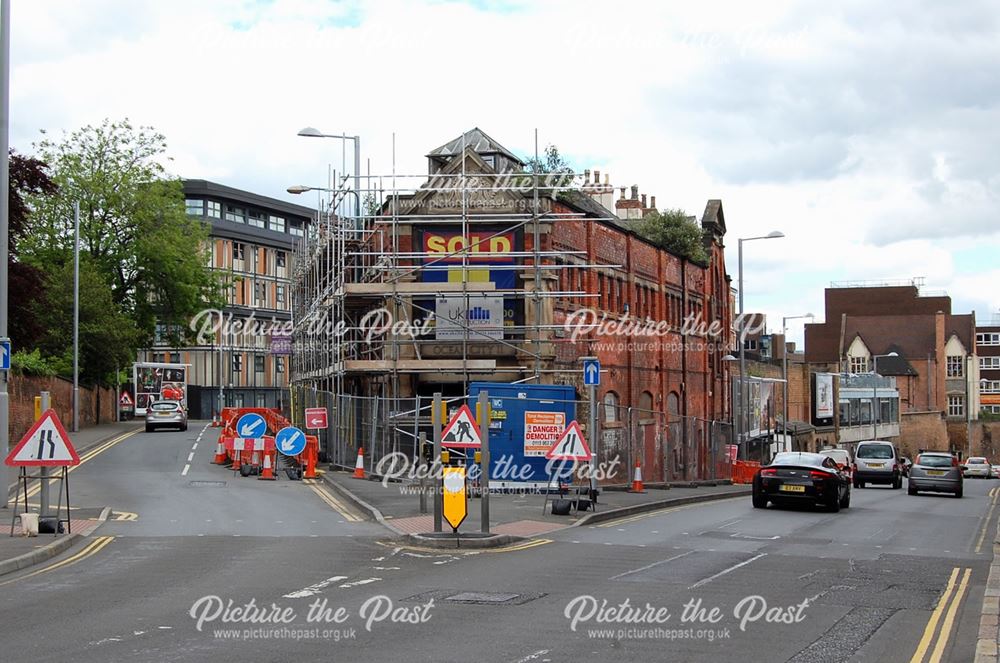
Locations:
column 784, row 370
column 875, row 376
column 297, row 189
column 774, row 234
column 311, row 132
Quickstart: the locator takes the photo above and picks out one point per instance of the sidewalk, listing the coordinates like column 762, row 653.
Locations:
column 18, row 552
column 516, row 515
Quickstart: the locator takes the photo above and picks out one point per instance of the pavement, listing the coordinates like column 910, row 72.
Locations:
column 397, row 506
column 198, row 564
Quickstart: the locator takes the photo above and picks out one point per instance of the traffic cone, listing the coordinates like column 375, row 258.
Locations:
column 637, row 479
column 237, row 458
column 359, row 467
column 220, row 453
column 267, row 473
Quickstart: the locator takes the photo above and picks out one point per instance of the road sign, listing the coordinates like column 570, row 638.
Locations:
column 571, row 445
column 316, row 417
column 591, row 371
column 46, row 445
column 4, row 354
column 251, row 425
column 125, row 400
column 455, row 505
column 290, row 441
column 462, row 430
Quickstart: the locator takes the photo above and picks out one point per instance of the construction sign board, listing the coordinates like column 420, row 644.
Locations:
column 126, row 399
column 46, row 445
column 462, row 431
column 454, row 504
column 316, row 418
column 571, row 445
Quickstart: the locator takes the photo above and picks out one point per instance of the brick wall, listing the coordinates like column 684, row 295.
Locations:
column 922, row 430
column 96, row 405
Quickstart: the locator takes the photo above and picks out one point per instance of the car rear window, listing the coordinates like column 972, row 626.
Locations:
column 934, row 461
column 880, row 451
column 164, row 407
column 977, row 461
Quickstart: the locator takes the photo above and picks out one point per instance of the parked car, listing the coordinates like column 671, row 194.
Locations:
column 794, row 476
column 166, row 414
column 995, row 471
column 904, row 465
column 876, row 461
column 937, row 471
column 842, row 457
column 977, row 466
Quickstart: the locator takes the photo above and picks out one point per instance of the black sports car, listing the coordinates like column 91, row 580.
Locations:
column 802, row 477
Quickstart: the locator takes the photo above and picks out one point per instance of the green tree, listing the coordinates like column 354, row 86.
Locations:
column 133, row 226
column 674, row 231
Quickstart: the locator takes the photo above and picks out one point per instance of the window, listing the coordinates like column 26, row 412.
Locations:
column 954, row 366
column 296, row 230
column 257, row 219
column 260, row 293
column 610, row 407
column 956, row 406
column 279, row 258
column 885, row 411
column 845, row 413
column 277, row 224
column 989, row 386
column 194, row 207
column 750, row 344
column 279, row 294
column 258, row 363
column 866, row 412
column 859, row 364
column 237, row 363
column 279, row 364
column 988, row 339
column 989, row 362
column 237, row 251
column 237, row 214
column 214, row 209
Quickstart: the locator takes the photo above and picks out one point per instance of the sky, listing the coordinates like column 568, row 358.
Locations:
column 868, row 133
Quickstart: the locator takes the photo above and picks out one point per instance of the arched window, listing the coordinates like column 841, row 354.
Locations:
column 646, row 401
column 673, row 404
column 611, row 407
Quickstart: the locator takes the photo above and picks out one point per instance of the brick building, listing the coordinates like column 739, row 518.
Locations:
column 988, row 350
column 934, row 366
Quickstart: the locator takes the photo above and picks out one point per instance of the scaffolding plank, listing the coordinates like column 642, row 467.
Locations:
column 414, row 288
column 417, row 365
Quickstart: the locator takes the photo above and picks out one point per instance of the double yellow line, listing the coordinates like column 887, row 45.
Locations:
column 89, row 455
column 331, row 500
column 948, row 607
column 90, row 550
column 994, row 495
column 524, row 545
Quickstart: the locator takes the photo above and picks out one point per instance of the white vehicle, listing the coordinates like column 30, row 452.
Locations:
column 977, row 466
column 842, row 457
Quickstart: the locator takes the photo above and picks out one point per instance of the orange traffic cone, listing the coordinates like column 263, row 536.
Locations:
column 267, row 473
column 359, row 467
column 237, row 457
column 220, row 453
column 637, row 479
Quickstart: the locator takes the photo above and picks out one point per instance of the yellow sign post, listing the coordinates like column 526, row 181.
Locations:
column 455, row 505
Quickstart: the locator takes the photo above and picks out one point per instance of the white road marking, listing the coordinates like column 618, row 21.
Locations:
column 649, row 566
column 185, row 470
column 386, row 568
column 358, row 583
column 705, row 581
column 194, row 446
column 190, row 456
column 312, row 590
column 532, row 656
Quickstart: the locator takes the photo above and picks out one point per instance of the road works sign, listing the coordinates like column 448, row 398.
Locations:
column 46, row 444
column 571, row 445
column 455, row 507
column 462, row 430
column 125, row 400
column 316, row 417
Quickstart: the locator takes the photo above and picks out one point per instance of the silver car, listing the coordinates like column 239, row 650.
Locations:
column 936, row 471
column 166, row 414
column 977, row 466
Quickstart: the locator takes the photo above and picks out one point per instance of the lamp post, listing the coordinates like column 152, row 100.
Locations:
column 311, row 132
column 302, row 188
column 784, row 371
column 745, row 419
column 875, row 377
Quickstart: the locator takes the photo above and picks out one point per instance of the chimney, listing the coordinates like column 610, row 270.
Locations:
column 607, row 179
column 643, row 201
column 623, row 193
column 586, row 176
column 652, row 202
column 635, row 192
column 597, row 177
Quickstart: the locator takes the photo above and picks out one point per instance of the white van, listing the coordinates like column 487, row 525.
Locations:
column 876, row 461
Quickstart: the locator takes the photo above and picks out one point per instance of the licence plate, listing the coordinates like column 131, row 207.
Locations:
column 793, row 489
column 935, row 473
column 876, row 464
column 164, row 414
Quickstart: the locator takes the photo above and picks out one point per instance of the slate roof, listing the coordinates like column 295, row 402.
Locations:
column 478, row 141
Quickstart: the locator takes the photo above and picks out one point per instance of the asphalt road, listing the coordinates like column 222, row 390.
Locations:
column 873, row 577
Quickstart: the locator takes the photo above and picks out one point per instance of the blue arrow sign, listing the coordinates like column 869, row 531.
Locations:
column 290, row 441
column 591, row 372
column 4, row 354
column 251, row 425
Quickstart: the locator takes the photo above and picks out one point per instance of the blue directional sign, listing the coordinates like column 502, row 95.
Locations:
column 591, row 371
column 251, row 425
column 4, row 354
column 290, row 441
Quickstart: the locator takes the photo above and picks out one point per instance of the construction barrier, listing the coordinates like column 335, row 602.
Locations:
column 744, row 471
column 259, row 455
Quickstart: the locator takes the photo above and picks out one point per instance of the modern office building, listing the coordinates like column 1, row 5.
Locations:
column 988, row 350
column 251, row 239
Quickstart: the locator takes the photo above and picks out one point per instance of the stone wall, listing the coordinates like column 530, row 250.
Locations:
column 97, row 405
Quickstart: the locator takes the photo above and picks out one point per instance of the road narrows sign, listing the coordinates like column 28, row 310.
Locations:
column 571, row 445
column 46, row 444
column 316, row 418
column 462, row 431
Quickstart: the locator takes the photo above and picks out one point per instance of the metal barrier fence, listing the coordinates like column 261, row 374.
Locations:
column 667, row 448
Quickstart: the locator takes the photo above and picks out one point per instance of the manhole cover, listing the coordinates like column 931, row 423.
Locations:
column 207, row 484
column 482, row 597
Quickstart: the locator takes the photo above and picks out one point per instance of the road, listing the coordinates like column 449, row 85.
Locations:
column 892, row 576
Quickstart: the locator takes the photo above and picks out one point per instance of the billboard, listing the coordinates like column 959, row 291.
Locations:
column 541, row 430
column 482, row 315
column 157, row 381
column 824, row 396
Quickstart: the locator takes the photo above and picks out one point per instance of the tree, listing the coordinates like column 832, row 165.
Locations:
column 133, row 225
column 552, row 164
column 674, row 231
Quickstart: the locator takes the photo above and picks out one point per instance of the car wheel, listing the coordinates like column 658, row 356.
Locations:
column 958, row 493
column 861, row 484
column 149, row 429
column 184, row 428
column 759, row 500
column 910, row 490
column 834, row 504
column 845, row 503
column 898, row 483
